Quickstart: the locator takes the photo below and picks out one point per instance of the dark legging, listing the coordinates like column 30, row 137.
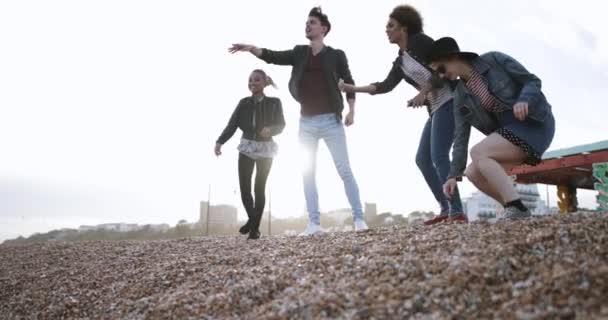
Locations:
column 246, row 165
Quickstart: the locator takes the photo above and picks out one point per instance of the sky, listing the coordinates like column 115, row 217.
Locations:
column 110, row 109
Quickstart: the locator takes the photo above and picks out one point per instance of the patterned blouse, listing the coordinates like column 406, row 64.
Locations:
column 417, row 72
column 478, row 87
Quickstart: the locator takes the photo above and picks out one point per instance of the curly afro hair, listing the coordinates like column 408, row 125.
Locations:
column 407, row 16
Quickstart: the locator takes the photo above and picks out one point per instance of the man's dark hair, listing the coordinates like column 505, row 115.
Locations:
column 408, row 17
column 317, row 13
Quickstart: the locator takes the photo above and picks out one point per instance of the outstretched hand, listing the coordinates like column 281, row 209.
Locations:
column 236, row 47
column 218, row 149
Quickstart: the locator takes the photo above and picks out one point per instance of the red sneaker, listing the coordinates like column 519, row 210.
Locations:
column 437, row 219
column 458, row 218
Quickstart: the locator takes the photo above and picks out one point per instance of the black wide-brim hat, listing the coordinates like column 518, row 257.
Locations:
column 447, row 47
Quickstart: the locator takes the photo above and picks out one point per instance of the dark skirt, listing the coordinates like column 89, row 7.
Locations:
column 533, row 137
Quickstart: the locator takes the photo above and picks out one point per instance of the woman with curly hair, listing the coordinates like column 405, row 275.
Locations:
column 404, row 29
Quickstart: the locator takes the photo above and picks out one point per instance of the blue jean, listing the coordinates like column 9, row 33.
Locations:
column 328, row 128
column 433, row 156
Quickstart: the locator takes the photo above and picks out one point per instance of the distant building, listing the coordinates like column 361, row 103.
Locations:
column 419, row 216
column 339, row 215
column 371, row 210
column 84, row 228
column 123, row 227
column 290, row 233
column 109, row 226
column 482, row 206
column 118, row 227
column 221, row 215
column 159, row 227
column 388, row 220
column 343, row 214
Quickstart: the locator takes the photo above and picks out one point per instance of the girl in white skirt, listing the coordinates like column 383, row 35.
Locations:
column 260, row 118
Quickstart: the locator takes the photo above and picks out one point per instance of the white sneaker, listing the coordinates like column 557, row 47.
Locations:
column 312, row 229
column 360, row 225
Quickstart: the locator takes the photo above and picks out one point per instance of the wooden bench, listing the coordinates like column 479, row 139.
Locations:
column 579, row 167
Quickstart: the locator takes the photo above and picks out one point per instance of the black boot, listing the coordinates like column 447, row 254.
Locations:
column 250, row 221
column 246, row 227
column 254, row 234
column 254, row 227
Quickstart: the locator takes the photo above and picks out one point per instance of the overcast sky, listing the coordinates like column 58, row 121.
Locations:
column 110, row 109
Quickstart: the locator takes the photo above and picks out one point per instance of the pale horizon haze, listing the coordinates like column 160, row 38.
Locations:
column 109, row 110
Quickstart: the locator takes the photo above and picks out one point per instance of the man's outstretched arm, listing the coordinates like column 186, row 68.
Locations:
column 275, row 57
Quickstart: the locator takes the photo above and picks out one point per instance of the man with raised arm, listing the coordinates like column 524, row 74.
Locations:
column 316, row 71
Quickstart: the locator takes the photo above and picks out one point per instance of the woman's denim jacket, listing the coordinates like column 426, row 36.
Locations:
column 508, row 81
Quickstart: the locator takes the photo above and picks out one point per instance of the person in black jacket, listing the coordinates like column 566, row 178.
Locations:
column 260, row 118
column 404, row 28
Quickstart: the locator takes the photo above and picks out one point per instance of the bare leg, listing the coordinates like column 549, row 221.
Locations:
column 492, row 157
column 474, row 175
